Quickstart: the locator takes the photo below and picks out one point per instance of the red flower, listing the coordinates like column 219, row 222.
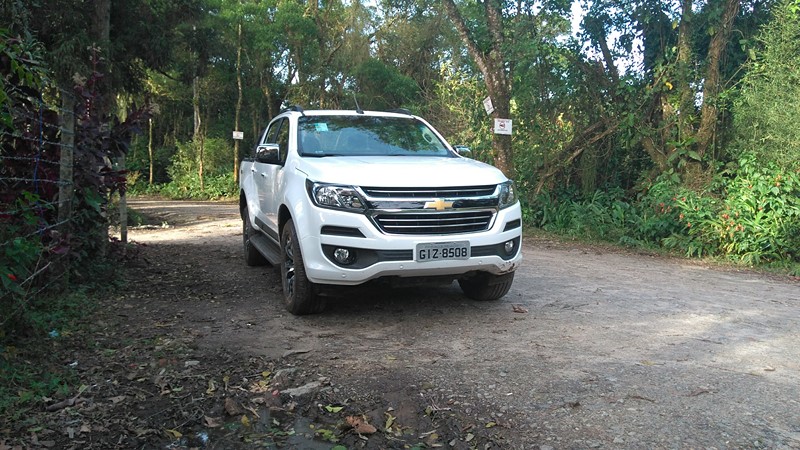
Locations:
column 12, row 277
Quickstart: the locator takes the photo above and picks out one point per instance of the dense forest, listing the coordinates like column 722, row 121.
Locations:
column 649, row 122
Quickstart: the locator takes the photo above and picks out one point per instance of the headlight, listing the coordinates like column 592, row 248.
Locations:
column 335, row 196
column 508, row 194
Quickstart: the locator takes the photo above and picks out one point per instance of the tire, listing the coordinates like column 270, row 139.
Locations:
column 486, row 286
column 252, row 257
column 300, row 296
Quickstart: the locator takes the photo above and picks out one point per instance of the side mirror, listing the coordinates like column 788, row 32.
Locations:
column 463, row 150
column 268, row 154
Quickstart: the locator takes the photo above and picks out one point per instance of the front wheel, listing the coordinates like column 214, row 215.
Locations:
column 300, row 296
column 486, row 286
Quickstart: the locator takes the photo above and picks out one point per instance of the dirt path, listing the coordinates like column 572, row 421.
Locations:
column 590, row 349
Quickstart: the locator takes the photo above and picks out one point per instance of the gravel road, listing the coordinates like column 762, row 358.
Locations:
column 592, row 348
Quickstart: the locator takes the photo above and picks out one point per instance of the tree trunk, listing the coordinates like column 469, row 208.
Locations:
column 150, row 151
column 684, row 67
column 711, row 87
column 197, row 137
column 492, row 67
column 102, row 41
column 238, row 105
column 196, row 108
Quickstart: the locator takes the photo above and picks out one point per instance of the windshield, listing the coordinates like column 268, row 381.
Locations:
column 367, row 136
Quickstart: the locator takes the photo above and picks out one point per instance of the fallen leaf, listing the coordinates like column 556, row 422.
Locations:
column 333, row 409
column 769, row 369
column 245, row 421
column 212, row 422
column 469, row 437
column 491, row 424
column 62, row 404
column 232, row 408
column 389, row 421
column 117, row 399
column 174, row 433
column 518, row 309
column 360, row 425
column 211, row 387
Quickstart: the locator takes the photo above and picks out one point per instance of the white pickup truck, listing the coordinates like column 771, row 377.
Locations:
column 341, row 198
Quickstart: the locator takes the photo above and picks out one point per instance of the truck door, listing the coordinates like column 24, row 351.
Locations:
column 268, row 174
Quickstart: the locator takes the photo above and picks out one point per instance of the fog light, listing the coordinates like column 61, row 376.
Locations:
column 344, row 256
column 509, row 247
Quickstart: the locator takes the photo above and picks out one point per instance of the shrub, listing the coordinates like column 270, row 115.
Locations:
column 751, row 213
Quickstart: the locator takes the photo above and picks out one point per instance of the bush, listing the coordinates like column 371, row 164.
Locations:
column 750, row 213
column 188, row 187
column 605, row 215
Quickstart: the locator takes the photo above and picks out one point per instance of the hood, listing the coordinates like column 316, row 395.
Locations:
column 400, row 171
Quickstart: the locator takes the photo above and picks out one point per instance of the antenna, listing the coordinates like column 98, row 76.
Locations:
column 358, row 108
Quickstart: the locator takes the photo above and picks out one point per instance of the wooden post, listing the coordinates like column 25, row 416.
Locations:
column 123, row 209
column 150, row 150
column 65, row 187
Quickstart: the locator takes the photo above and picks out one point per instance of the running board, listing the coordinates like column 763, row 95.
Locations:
column 266, row 247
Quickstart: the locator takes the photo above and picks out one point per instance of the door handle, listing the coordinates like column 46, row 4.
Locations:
column 263, row 174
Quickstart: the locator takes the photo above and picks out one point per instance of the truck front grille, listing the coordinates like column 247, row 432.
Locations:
column 451, row 222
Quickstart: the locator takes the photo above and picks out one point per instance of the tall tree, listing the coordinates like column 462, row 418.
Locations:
column 493, row 63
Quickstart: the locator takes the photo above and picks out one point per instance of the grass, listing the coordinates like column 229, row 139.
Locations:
column 31, row 368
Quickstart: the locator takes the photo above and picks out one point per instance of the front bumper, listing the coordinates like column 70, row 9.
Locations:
column 384, row 255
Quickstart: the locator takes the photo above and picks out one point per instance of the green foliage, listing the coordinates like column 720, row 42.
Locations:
column 184, row 173
column 751, row 214
column 383, row 87
column 22, row 248
column 216, row 187
column 766, row 112
column 605, row 215
column 456, row 115
column 22, row 67
column 25, row 382
column 216, row 158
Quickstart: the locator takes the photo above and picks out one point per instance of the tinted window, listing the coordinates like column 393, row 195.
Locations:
column 269, row 138
column 367, row 136
column 283, row 139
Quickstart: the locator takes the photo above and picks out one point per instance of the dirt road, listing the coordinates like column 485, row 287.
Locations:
column 590, row 349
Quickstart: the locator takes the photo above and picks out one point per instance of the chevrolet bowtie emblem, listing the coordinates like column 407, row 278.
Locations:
column 438, row 204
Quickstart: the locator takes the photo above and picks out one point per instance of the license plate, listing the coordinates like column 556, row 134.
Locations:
column 438, row 251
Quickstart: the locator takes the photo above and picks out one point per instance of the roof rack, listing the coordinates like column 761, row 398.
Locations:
column 297, row 108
